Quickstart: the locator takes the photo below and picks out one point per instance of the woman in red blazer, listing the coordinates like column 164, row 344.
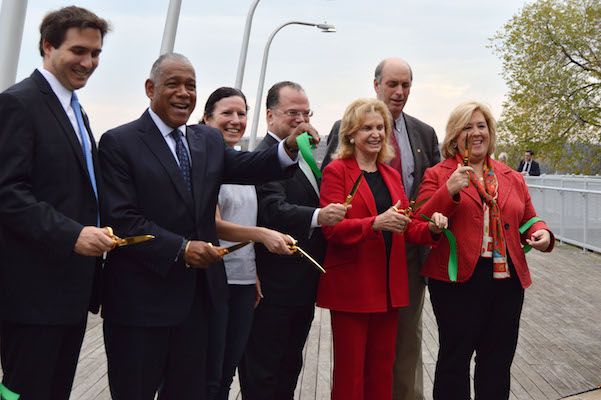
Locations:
column 487, row 202
column 366, row 279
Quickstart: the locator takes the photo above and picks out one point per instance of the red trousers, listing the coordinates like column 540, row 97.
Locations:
column 364, row 346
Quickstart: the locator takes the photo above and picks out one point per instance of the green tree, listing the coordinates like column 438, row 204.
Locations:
column 551, row 53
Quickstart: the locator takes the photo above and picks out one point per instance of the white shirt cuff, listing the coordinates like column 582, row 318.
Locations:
column 314, row 223
column 285, row 160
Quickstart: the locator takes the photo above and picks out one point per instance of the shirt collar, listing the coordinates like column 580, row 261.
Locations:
column 273, row 135
column 62, row 93
column 400, row 121
column 163, row 127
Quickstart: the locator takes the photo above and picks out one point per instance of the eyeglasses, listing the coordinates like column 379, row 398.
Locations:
column 294, row 113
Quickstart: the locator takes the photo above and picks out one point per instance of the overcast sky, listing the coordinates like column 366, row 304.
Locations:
column 443, row 40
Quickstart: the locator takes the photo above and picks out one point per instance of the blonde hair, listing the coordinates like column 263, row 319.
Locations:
column 459, row 118
column 353, row 120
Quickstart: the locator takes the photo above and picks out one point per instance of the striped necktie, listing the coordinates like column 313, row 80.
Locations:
column 182, row 156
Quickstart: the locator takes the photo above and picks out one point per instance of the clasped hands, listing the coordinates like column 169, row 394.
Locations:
column 395, row 220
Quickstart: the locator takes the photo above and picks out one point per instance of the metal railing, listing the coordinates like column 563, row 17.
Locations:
column 571, row 207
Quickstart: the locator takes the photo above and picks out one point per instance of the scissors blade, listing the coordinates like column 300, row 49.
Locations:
column 133, row 240
column 354, row 189
column 234, row 247
column 308, row 257
column 468, row 150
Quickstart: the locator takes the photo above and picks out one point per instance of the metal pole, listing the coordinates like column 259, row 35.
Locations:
column 244, row 49
column 585, row 222
column 253, row 133
column 12, row 20
column 171, row 26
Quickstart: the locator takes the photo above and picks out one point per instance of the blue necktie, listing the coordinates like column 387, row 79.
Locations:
column 87, row 153
column 182, row 156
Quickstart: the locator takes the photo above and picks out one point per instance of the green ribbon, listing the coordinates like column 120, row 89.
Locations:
column 452, row 251
column 527, row 226
column 305, row 146
column 7, row 394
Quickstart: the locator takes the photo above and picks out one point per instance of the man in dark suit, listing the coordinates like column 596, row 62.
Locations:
column 528, row 166
column 273, row 357
column 49, row 191
column 162, row 178
column 416, row 146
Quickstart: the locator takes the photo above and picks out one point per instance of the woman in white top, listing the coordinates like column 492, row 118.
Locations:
column 236, row 218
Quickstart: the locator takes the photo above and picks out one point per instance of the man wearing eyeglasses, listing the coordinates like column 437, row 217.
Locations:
column 273, row 357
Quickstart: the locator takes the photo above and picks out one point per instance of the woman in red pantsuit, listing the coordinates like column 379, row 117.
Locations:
column 366, row 279
column 487, row 203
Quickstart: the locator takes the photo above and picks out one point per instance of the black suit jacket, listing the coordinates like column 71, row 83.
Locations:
column 426, row 154
column 46, row 198
column 534, row 168
column 287, row 206
column 146, row 194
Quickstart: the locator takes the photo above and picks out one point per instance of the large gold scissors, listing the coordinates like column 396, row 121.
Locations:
column 227, row 250
column 128, row 240
column 350, row 196
column 294, row 248
column 412, row 206
column 468, row 150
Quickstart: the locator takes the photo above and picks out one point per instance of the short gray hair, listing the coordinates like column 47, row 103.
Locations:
column 156, row 70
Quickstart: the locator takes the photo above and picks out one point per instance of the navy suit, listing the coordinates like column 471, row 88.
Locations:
column 46, row 198
column 148, row 295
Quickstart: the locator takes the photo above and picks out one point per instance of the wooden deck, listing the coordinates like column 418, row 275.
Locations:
column 558, row 355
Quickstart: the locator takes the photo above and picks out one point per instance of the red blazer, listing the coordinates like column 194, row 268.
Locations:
column 356, row 255
column 466, row 220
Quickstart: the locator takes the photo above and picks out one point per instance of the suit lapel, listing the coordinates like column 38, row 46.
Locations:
column 389, row 179
column 415, row 140
column 505, row 184
column 352, row 173
column 61, row 116
column 153, row 138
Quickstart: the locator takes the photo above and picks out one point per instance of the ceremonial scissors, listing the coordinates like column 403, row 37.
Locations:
column 227, row 250
column 294, row 247
column 120, row 242
column 350, row 196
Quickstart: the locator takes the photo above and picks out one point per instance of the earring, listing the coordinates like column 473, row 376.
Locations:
column 352, row 140
column 454, row 145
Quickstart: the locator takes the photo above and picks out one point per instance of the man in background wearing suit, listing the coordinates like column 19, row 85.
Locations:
column 528, row 166
column 162, row 178
column 416, row 146
column 273, row 357
column 50, row 187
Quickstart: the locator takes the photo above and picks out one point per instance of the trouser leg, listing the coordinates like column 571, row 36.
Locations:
column 241, row 310
column 408, row 366
column 498, row 342
column 39, row 361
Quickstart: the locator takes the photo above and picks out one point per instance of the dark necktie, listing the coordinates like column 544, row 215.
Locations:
column 182, row 156
column 85, row 147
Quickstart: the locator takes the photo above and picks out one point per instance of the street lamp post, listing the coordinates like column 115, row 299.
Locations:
column 253, row 134
column 170, row 30
column 244, row 49
column 12, row 20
